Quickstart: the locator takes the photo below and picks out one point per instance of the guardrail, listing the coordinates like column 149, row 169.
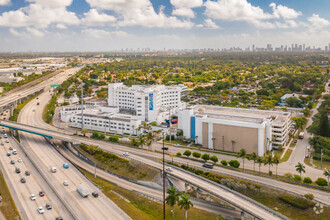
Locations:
column 231, row 191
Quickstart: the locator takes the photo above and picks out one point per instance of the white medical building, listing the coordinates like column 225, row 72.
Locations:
column 231, row 129
column 127, row 108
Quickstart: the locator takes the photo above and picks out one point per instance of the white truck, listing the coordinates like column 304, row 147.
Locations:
column 301, row 135
column 83, row 190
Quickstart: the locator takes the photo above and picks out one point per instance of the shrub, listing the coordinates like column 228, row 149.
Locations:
column 295, row 201
column 289, row 176
column 321, row 182
column 197, row 154
column 234, row 163
column 223, row 162
column 187, row 153
column 95, row 135
column 297, row 178
column 270, row 173
column 102, row 137
column 168, row 137
column 178, row 154
column 206, row 157
column 309, row 196
column 214, row 158
column 113, row 139
column 308, row 180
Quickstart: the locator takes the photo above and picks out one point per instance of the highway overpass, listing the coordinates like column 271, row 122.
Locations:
column 253, row 208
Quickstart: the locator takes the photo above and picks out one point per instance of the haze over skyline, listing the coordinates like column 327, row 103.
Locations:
column 102, row 25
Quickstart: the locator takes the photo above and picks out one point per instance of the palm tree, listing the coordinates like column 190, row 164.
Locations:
column 276, row 161
column 268, row 159
column 232, row 144
column 259, row 161
column 172, row 198
column 327, row 174
column 300, row 168
column 242, row 154
column 253, row 156
column 213, row 140
column 185, row 203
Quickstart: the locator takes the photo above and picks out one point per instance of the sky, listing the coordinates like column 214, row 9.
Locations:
column 107, row 25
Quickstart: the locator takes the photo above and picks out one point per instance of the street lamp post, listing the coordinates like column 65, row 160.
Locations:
column 82, row 106
column 163, row 176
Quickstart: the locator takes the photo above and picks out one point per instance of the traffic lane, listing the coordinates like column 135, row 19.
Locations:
column 52, row 197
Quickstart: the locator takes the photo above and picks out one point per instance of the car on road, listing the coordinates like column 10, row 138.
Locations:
column 7, row 141
column 59, row 218
column 14, row 151
column 23, row 180
column 19, row 160
column 2, row 143
column 66, row 165
column 27, row 173
column 38, row 103
column 48, row 206
column 65, row 183
column 10, row 148
column 41, row 210
column 53, row 169
column 12, row 162
column 126, row 154
column 8, row 154
column 5, row 135
column 164, row 148
column 95, row 194
column 308, row 147
column 169, row 169
column 33, row 197
column 41, row 194
column 177, row 145
column 208, row 165
column 18, row 170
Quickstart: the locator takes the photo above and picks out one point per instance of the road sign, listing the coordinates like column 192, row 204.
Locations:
column 54, row 85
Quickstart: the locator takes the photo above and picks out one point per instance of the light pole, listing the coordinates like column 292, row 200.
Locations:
column 82, row 105
column 163, row 176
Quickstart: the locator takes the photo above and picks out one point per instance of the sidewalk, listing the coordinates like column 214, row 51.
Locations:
column 2, row 217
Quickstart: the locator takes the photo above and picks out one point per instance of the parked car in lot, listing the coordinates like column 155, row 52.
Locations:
column 33, row 197
column 41, row 210
column 48, row 206
column 27, row 173
column 23, row 180
column 295, row 141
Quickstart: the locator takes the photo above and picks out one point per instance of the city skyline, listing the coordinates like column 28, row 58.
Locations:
column 109, row 25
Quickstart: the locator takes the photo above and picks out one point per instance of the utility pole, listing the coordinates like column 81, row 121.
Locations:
column 163, row 176
column 95, row 170
column 169, row 121
column 82, row 105
column 321, row 157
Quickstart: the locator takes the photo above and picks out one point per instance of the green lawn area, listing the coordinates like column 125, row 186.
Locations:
column 7, row 206
column 325, row 164
column 141, row 208
column 278, row 153
column 286, row 156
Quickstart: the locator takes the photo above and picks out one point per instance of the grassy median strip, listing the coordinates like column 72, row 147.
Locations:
column 286, row 156
column 140, row 207
column 7, row 204
column 19, row 108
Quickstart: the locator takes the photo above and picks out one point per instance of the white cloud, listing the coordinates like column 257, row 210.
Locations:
column 14, row 32
column 99, row 33
column 94, row 18
column 61, row 26
column 139, row 13
column 35, row 32
column 52, row 3
column 316, row 22
column 4, row 2
column 120, row 33
column 28, row 33
column 234, row 10
column 39, row 15
column 284, row 12
column 208, row 23
column 184, row 7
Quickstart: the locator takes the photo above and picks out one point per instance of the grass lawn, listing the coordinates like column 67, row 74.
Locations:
column 286, row 156
column 278, row 153
column 131, row 169
column 7, row 205
column 325, row 164
column 142, row 208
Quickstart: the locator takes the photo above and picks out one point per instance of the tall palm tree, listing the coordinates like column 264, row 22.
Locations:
column 268, row 159
column 276, row 161
column 253, row 156
column 259, row 160
column 300, row 168
column 327, row 174
column 242, row 154
column 172, row 198
column 185, row 203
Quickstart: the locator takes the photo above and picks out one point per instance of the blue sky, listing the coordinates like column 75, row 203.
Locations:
column 103, row 25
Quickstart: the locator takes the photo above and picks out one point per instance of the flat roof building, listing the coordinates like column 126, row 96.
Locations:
column 231, row 129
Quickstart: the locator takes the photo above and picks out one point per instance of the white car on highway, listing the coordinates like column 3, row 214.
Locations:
column 33, row 197
column 65, row 183
column 41, row 210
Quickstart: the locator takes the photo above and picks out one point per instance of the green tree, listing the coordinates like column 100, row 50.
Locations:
column 172, row 198
column 276, row 161
column 84, row 131
column 253, row 156
column 324, row 124
column 300, row 168
column 214, row 158
column 242, row 154
column 268, row 159
column 197, row 155
column 259, row 160
column 187, row 153
column 327, row 174
column 185, row 203
column 95, row 134
column 205, row 157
